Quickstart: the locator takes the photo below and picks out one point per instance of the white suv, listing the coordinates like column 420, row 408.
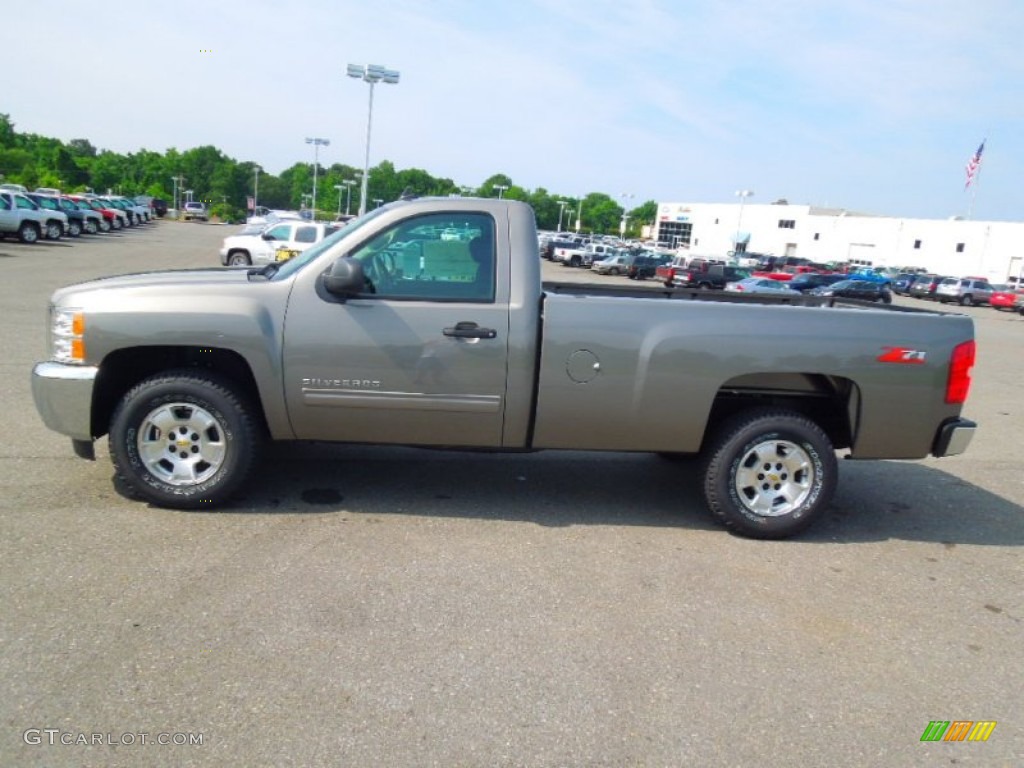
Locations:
column 965, row 290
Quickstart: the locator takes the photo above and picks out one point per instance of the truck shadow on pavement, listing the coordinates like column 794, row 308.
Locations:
column 877, row 500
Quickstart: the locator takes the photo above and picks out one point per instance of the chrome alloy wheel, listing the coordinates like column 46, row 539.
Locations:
column 181, row 444
column 774, row 478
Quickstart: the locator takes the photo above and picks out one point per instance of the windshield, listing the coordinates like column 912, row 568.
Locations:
column 292, row 266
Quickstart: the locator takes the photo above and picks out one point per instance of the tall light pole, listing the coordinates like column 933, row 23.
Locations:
column 742, row 194
column 255, row 188
column 561, row 209
column 339, row 187
column 178, row 182
column 317, row 143
column 372, row 74
column 348, row 194
column 579, row 216
column 501, row 188
column 626, row 197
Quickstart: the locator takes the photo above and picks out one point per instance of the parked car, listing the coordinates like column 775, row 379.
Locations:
column 643, row 266
column 90, row 221
column 760, row 285
column 616, row 264
column 49, row 203
column 924, row 286
column 707, row 276
column 901, row 282
column 808, row 281
column 194, row 210
column 114, row 217
column 1003, row 297
column 865, row 290
column 22, row 216
column 964, row 290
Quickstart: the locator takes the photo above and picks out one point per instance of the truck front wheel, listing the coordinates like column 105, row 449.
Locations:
column 184, row 439
column 770, row 473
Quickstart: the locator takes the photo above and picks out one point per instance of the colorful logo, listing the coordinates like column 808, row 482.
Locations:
column 958, row 730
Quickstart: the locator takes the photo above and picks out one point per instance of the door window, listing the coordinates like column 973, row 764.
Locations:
column 437, row 257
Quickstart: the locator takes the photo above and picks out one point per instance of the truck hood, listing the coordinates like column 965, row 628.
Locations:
column 184, row 281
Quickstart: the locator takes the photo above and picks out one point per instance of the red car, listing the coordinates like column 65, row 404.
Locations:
column 1003, row 297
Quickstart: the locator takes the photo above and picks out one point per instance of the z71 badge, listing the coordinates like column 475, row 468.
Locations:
column 902, row 355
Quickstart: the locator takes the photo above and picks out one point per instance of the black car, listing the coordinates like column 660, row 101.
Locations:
column 642, row 267
column 865, row 290
column 808, row 281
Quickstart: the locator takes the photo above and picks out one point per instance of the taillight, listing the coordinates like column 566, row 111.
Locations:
column 959, row 382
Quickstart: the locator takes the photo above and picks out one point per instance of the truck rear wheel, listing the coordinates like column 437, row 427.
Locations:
column 184, row 439
column 770, row 473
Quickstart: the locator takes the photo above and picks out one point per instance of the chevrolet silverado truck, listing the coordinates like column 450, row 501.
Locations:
column 387, row 333
column 278, row 242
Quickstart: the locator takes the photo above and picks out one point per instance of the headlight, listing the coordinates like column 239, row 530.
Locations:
column 67, row 327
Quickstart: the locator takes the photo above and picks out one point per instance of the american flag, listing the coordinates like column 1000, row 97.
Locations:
column 973, row 164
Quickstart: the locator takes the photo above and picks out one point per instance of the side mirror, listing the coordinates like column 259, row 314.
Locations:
column 267, row 236
column 345, row 278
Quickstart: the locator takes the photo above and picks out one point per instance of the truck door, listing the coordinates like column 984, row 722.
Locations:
column 420, row 356
column 8, row 218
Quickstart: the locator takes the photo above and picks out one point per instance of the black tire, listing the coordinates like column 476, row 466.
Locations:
column 54, row 231
column 74, row 228
column 28, row 232
column 105, row 225
column 91, row 227
column 967, row 301
column 769, row 474
column 238, row 258
column 219, row 439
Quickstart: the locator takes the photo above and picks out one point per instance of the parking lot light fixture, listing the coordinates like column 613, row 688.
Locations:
column 561, row 210
column 501, row 188
column 379, row 201
column 255, row 188
column 371, row 74
column 742, row 194
column 348, row 194
column 317, row 143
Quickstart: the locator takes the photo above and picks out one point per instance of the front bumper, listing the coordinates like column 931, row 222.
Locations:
column 63, row 397
column 953, row 437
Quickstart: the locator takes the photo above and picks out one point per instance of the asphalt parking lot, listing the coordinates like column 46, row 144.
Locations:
column 392, row 607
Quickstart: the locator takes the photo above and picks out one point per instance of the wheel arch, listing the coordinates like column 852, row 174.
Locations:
column 831, row 402
column 124, row 368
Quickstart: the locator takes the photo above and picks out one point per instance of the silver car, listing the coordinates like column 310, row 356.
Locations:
column 964, row 290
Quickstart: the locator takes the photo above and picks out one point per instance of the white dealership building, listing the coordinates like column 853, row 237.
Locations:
column 990, row 249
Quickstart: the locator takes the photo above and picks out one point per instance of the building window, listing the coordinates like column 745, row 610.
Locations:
column 672, row 234
column 917, row 245
column 787, row 224
column 959, row 247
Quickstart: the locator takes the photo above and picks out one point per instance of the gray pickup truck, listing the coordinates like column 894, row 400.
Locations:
column 426, row 323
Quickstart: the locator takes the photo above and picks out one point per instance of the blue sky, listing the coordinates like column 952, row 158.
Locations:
column 872, row 106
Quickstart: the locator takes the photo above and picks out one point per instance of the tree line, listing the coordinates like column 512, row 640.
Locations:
column 227, row 185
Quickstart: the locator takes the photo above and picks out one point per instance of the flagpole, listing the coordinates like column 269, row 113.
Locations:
column 973, row 171
column 974, row 192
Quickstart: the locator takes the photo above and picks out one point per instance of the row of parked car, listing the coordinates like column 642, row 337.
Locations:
column 49, row 214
